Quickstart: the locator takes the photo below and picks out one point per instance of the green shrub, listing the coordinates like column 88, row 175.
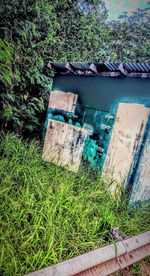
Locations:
column 6, row 61
column 49, row 214
column 27, row 31
column 34, row 32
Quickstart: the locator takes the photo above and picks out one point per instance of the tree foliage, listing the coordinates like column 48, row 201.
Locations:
column 6, row 60
column 31, row 28
column 36, row 31
column 130, row 37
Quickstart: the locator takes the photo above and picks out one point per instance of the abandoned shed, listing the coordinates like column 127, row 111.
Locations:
column 99, row 113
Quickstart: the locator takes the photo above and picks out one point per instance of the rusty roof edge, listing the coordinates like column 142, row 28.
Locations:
column 115, row 256
column 141, row 70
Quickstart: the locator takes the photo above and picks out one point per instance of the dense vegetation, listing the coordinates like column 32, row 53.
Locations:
column 35, row 31
column 49, row 214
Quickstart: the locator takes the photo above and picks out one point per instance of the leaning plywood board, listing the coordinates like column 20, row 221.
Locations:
column 141, row 185
column 64, row 144
column 63, row 100
column 126, row 138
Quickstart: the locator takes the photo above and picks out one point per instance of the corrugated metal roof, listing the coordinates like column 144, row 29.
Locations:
column 108, row 68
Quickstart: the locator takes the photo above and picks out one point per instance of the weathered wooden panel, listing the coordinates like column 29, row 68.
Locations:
column 141, row 185
column 64, row 144
column 126, row 138
column 62, row 100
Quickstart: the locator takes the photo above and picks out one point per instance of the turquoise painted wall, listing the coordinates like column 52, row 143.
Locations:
column 97, row 105
column 101, row 92
column 100, row 97
column 96, row 109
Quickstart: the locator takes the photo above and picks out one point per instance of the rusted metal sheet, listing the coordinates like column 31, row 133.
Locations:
column 103, row 261
column 62, row 100
column 141, row 185
column 125, row 141
column 64, row 144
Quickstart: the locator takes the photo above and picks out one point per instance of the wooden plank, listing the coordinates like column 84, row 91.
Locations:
column 64, row 144
column 141, row 185
column 126, row 139
column 63, row 100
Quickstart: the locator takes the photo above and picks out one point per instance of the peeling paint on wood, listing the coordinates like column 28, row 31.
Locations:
column 141, row 185
column 126, row 139
column 62, row 100
column 64, row 144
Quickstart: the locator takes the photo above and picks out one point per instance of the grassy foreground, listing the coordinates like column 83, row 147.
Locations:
column 49, row 215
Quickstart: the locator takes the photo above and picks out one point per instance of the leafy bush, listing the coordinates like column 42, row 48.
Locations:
column 6, row 61
column 49, row 214
column 36, row 31
column 27, row 30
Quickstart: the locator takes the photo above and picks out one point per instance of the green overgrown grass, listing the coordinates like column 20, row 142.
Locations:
column 49, row 214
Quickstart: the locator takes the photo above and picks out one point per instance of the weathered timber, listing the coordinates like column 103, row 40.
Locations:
column 141, row 185
column 64, row 144
column 125, row 141
column 62, row 100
